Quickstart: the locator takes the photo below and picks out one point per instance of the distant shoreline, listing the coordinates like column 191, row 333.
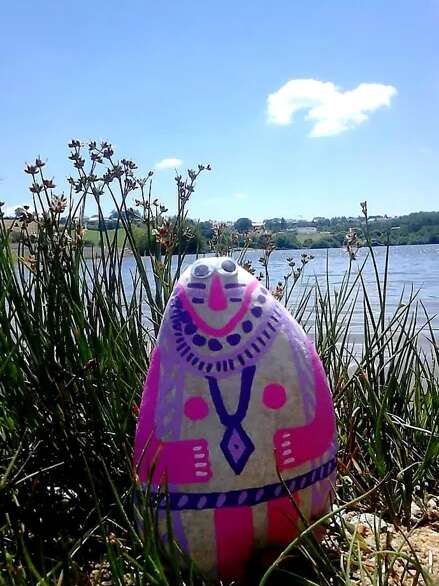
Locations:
column 88, row 250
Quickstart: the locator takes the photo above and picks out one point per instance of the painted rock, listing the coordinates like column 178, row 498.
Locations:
column 235, row 397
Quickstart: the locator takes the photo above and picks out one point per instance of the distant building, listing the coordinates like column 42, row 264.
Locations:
column 379, row 218
column 305, row 229
column 95, row 221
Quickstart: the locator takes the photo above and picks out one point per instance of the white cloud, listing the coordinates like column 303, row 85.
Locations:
column 171, row 163
column 330, row 109
column 240, row 195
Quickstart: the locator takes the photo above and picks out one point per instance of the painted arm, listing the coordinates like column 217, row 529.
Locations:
column 177, row 462
column 296, row 445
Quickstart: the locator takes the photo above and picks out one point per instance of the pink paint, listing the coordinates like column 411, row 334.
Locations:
column 217, row 298
column 296, row 445
column 234, row 541
column 177, row 462
column 233, row 321
column 274, row 396
column 196, row 408
column 282, row 518
column 183, row 462
column 145, row 436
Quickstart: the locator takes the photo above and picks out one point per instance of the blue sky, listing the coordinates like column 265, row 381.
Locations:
column 191, row 80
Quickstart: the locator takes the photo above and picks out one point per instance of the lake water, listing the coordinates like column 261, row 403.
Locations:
column 409, row 266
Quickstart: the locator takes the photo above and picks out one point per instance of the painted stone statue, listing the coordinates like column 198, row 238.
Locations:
column 235, row 395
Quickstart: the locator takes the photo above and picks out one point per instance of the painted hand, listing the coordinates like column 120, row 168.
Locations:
column 284, row 449
column 183, row 462
column 296, row 445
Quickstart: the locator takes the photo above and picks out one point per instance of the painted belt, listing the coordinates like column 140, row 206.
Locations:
column 179, row 501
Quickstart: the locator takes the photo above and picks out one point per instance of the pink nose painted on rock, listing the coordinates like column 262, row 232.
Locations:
column 217, row 298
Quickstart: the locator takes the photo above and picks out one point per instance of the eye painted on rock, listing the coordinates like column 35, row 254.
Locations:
column 228, row 266
column 201, row 271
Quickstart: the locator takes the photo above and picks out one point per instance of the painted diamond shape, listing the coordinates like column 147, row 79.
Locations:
column 237, row 447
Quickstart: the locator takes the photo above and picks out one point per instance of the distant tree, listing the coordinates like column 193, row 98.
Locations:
column 243, row 225
column 206, row 229
column 141, row 239
column 131, row 214
column 199, row 234
column 272, row 224
column 134, row 214
column 19, row 211
column 286, row 240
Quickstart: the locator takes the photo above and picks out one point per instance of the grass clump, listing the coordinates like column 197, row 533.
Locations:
column 75, row 339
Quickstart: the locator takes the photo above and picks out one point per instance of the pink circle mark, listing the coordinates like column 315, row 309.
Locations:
column 274, row 396
column 196, row 408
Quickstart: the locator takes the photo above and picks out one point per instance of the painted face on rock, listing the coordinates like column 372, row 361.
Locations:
column 220, row 311
column 216, row 292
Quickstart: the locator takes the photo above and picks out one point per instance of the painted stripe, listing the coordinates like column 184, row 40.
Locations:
column 253, row 496
column 282, row 517
column 234, row 541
